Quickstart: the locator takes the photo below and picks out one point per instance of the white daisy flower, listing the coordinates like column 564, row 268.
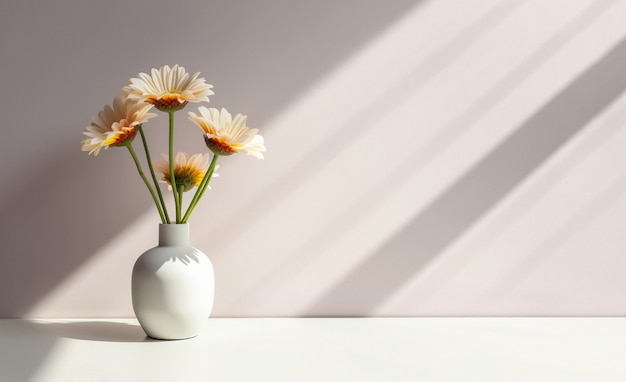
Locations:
column 225, row 136
column 115, row 126
column 169, row 89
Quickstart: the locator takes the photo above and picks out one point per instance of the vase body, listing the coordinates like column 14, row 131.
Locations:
column 173, row 286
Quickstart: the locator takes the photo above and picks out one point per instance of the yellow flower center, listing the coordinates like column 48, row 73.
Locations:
column 186, row 177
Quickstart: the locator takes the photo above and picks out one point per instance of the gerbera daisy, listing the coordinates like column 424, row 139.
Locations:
column 224, row 135
column 188, row 171
column 169, row 89
column 115, row 126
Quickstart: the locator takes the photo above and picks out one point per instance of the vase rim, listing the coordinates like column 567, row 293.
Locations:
column 173, row 234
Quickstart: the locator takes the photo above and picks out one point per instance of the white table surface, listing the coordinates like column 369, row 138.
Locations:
column 321, row 350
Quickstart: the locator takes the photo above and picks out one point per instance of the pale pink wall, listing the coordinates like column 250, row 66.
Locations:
column 424, row 157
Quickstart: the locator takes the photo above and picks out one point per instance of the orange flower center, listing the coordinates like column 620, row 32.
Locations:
column 126, row 134
column 170, row 101
column 219, row 146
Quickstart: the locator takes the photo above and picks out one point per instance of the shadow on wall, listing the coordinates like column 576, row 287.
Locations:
column 476, row 192
column 59, row 214
column 278, row 48
column 59, row 218
column 367, row 117
column 445, row 133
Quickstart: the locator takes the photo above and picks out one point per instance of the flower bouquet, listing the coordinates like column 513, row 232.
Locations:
column 173, row 283
column 170, row 90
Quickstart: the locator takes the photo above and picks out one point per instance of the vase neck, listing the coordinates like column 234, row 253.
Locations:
column 171, row 235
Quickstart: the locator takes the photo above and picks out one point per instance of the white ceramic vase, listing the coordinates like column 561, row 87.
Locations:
column 173, row 286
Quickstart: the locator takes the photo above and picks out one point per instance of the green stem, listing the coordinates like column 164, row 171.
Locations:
column 154, row 179
column 171, row 159
column 145, row 180
column 180, row 201
column 204, row 184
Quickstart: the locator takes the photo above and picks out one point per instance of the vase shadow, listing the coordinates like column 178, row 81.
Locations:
column 102, row 331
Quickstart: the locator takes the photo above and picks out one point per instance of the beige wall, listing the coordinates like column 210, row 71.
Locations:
column 424, row 157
